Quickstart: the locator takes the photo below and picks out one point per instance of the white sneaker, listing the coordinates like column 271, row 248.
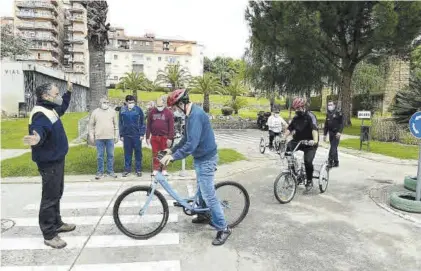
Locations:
column 154, row 172
column 165, row 173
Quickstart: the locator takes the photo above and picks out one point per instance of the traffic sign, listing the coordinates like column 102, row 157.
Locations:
column 415, row 124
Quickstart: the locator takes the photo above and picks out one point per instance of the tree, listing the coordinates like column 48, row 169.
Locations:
column 206, row 84
column 12, row 45
column 173, row 75
column 235, row 90
column 416, row 62
column 340, row 34
column 133, row 81
column 97, row 41
column 407, row 102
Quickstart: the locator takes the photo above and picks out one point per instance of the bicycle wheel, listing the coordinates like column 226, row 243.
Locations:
column 127, row 218
column 262, row 145
column 235, row 208
column 323, row 178
column 283, row 182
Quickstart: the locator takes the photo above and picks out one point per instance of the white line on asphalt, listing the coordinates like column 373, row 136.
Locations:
column 143, row 266
column 98, row 193
column 330, row 197
column 36, row 268
column 97, row 204
column 92, row 220
column 96, row 241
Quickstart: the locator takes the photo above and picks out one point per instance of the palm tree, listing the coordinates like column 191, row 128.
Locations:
column 133, row 81
column 235, row 90
column 97, row 41
column 206, row 84
column 173, row 75
column 407, row 102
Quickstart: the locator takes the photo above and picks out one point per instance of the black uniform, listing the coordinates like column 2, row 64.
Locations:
column 304, row 126
column 333, row 125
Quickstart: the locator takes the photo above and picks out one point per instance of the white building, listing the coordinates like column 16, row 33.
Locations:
column 148, row 55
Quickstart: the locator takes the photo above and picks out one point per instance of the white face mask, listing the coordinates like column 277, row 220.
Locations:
column 160, row 108
column 130, row 106
column 104, row 106
column 331, row 107
column 276, row 115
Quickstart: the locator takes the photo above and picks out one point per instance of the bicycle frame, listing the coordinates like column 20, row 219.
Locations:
column 162, row 180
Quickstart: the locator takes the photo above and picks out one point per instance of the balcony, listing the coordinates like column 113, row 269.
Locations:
column 75, row 60
column 36, row 15
column 77, row 19
column 74, row 40
column 76, row 10
column 42, row 48
column 76, row 29
column 40, row 26
column 41, row 38
column 36, row 4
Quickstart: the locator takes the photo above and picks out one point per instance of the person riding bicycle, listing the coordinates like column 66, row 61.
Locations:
column 304, row 127
column 276, row 125
column 199, row 141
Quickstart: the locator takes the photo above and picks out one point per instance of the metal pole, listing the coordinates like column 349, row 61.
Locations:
column 418, row 189
column 183, row 168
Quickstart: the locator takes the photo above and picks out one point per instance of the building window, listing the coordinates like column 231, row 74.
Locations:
column 115, row 57
column 115, row 77
column 134, row 42
column 147, row 43
column 39, row 56
column 148, row 58
column 166, row 46
column 159, row 58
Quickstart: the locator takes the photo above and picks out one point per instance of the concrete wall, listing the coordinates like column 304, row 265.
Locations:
column 19, row 81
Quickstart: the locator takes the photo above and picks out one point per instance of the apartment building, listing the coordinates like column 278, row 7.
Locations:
column 41, row 23
column 5, row 20
column 76, row 52
column 149, row 54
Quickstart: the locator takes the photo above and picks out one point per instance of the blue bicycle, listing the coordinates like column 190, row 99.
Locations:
column 134, row 218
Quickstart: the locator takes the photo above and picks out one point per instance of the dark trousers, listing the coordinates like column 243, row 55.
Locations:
column 131, row 144
column 52, row 191
column 272, row 135
column 309, row 153
column 333, row 152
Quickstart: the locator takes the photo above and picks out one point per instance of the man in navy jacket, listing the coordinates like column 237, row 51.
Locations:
column 132, row 130
column 49, row 144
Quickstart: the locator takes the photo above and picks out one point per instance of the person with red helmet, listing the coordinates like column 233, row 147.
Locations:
column 304, row 127
column 199, row 141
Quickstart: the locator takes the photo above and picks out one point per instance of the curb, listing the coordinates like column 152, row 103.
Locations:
column 224, row 173
column 417, row 222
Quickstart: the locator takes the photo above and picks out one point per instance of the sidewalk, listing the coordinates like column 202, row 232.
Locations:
column 223, row 172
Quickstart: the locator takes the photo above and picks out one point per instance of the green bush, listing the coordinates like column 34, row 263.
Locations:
column 227, row 111
column 387, row 130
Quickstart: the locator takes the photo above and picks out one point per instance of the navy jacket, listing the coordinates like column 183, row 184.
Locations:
column 131, row 122
column 53, row 145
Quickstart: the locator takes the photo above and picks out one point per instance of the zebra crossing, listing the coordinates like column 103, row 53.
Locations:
column 96, row 244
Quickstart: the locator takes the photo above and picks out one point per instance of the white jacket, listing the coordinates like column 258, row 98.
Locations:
column 275, row 124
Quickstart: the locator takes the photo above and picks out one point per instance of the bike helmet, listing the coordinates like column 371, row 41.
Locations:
column 178, row 95
column 298, row 103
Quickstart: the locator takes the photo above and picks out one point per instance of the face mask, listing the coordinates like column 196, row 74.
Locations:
column 299, row 113
column 276, row 115
column 58, row 100
column 130, row 106
column 160, row 108
column 331, row 107
column 104, row 106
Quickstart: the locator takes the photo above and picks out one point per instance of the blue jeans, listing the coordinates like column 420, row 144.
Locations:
column 205, row 174
column 131, row 144
column 107, row 144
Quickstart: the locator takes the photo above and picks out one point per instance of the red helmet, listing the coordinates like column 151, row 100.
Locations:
column 298, row 102
column 178, row 95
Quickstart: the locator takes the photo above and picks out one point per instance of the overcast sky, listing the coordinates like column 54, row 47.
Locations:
column 217, row 24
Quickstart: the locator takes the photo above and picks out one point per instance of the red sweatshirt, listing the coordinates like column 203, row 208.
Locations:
column 160, row 123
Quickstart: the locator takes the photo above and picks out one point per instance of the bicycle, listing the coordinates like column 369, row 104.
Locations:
column 155, row 200
column 295, row 175
column 279, row 144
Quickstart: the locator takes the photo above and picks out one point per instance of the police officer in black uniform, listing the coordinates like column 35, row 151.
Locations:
column 333, row 125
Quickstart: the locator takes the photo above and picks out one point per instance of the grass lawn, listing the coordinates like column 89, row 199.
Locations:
column 82, row 160
column 355, row 129
column 385, row 148
column 13, row 131
column 216, row 99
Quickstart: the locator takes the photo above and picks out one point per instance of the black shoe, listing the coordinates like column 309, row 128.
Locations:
column 139, row 174
column 309, row 184
column 201, row 219
column 335, row 164
column 221, row 237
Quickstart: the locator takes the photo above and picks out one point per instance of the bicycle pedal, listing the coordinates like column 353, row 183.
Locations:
column 176, row 204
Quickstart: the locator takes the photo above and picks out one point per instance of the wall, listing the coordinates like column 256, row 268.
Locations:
column 397, row 79
column 19, row 81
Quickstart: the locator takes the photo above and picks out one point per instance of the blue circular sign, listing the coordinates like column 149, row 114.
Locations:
column 415, row 124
